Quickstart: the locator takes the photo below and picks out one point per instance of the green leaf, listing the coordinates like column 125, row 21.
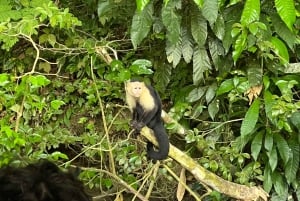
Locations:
column 213, row 109
column 217, row 52
column 103, row 7
column 254, row 74
column 273, row 159
column 283, row 31
column 58, row 155
column 124, row 75
column 251, row 118
column 256, row 145
column 140, row 69
column 52, row 39
column 251, row 12
column 201, row 63
column 225, row 87
column 292, row 165
column 162, row 76
column 45, row 66
column 196, row 94
column 279, row 184
column 141, row 24
column 219, row 27
column 116, row 65
column 280, row 50
column 55, row 104
column 199, row 3
column 140, row 4
column 213, row 165
column 269, row 102
column 295, row 120
column 239, row 46
column 267, row 181
column 38, row 81
column 198, row 27
column 210, row 10
column 142, row 63
column 174, row 52
column 287, row 12
column 211, row 92
column 187, row 45
column 4, row 79
column 171, row 20
column 269, row 140
column 283, row 147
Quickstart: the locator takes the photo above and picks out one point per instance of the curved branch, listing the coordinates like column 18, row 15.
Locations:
column 219, row 184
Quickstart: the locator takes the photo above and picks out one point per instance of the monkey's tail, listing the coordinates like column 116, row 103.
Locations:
column 163, row 143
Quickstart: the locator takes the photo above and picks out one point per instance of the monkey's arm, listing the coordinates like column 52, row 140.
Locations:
column 134, row 119
column 148, row 116
column 145, row 120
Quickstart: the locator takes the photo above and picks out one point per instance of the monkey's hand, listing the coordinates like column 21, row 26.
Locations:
column 133, row 123
column 139, row 126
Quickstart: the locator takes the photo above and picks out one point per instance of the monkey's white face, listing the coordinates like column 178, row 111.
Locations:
column 135, row 88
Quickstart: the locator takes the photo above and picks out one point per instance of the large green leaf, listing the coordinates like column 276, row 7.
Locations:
column 174, row 51
column 210, row 10
column 251, row 118
column 141, row 24
column 239, row 46
column 219, row 27
column 287, row 12
column 269, row 140
column 213, row 109
column 267, row 178
column 201, row 63
column 254, row 74
column 196, row 94
column 231, row 16
column 280, row 185
column 187, row 45
column 269, row 102
column 251, row 12
column 211, row 92
column 292, row 165
column 280, row 50
column 295, row 119
column 171, row 20
column 225, row 87
column 283, row 147
column 273, row 159
column 198, row 27
column 283, row 31
column 217, row 52
column 256, row 145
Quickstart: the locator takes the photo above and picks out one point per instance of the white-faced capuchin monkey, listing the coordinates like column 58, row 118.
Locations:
column 145, row 105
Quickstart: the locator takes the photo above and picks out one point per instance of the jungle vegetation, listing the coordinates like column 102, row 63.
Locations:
column 227, row 72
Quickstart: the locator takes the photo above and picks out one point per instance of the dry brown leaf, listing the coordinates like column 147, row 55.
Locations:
column 180, row 188
column 253, row 92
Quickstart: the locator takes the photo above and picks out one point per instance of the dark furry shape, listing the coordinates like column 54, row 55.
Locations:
column 43, row 181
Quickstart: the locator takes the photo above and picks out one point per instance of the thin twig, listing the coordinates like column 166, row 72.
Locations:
column 183, row 184
column 111, row 157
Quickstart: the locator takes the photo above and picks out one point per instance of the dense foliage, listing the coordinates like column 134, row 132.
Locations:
column 226, row 70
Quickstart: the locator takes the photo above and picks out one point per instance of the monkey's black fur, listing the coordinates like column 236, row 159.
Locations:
column 43, row 181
